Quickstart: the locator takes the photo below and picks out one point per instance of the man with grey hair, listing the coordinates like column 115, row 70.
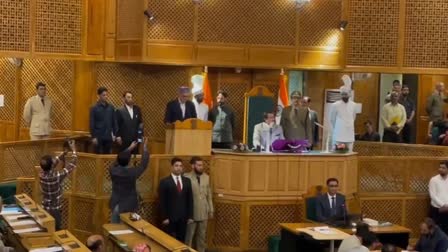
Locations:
column 393, row 117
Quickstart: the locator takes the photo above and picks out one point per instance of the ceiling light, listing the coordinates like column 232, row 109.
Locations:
column 149, row 15
column 343, row 24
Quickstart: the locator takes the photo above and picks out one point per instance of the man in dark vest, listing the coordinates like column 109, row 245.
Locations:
column 129, row 122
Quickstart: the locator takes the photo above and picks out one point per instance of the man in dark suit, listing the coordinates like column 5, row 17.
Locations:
column 181, row 108
column 103, row 126
column 306, row 102
column 176, row 201
column 331, row 205
column 124, row 182
column 129, row 123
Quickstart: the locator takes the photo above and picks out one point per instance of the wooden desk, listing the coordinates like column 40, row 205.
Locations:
column 143, row 232
column 36, row 212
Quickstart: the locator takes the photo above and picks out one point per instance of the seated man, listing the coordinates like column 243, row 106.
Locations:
column 331, row 206
column 266, row 130
column 430, row 237
column 370, row 134
column 95, row 243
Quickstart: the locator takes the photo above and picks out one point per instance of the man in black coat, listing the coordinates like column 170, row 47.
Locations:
column 331, row 205
column 129, row 123
column 176, row 201
column 181, row 108
column 103, row 126
column 124, row 182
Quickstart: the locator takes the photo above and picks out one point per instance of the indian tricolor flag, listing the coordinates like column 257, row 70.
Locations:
column 208, row 99
column 283, row 99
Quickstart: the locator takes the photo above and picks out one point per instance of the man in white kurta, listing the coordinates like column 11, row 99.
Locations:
column 201, row 107
column 342, row 119
column 267, row 132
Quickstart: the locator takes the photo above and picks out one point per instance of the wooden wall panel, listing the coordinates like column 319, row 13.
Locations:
column 95, row 27
column 425, row 29
column 130, row 19
column 7, row 88
column 58, row 75
column 373, row 33
column 243, row 22
column 174, row 20
column 15, row 25
column 58, row 26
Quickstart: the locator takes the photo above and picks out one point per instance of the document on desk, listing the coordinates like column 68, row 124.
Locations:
column 22, row 223
column 121, row 232
column 11, row 210
column 50, row 249
column 324, row 230
column 26, row 230
column 15, row 217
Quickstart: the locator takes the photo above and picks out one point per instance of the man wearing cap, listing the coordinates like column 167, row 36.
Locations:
column 295, row 120
column 342, row 116
column 201, row 107
column 181, row 108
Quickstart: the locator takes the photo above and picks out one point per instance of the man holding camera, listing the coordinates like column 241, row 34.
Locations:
column 129, row 122
column 51, row 180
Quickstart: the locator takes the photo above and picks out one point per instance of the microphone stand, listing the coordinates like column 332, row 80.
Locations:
column 326, row 140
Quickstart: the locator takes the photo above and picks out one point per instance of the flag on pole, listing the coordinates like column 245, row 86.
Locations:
column 208, row 99
column 283, row 99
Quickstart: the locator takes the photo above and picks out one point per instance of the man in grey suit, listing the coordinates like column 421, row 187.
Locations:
column 267, row 132
column 202, row 205
column 295, row 120
column 306, row 102
column 331, row 205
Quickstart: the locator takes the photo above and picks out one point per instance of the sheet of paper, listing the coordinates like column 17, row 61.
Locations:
column 358, row 108
column 324, row 230
column 7, row 212
column 51, row 249
column 2, row 100
column 14, row 217
column 22, row 223
column 26, row 230
column 121, row 232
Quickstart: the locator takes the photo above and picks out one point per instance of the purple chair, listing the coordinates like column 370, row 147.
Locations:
column 290, row 146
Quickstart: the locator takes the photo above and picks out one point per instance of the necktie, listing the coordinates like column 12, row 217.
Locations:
column 43, row 102
column 333, row 205
column 179, row 187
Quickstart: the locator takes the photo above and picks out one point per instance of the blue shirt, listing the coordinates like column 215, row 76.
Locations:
column 102, row 121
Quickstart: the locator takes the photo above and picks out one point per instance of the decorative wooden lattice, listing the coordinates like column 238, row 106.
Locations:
column 58, row 26
column 174, row 20
column 15, row 25
column 149, row 210
column 419, row 178
column 383, row 210
column 107, row 181
column 425, row 29
column 144, row 81
column 86, row 175
column 264, row 219
column 236, row 93
column 7, row 88
column 227, row 225
column 82, row 209
column 65, row 211
column 129, row 19
column 416, row 211
column 391, row 149
column 319, row 23
column 58, row 75
column 19, row 161
column 373, row 33
column 243, row 22
column 379, row 175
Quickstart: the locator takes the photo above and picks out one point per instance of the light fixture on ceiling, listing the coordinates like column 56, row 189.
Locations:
column 343, row 24
column 149, row 14
column 301, row 3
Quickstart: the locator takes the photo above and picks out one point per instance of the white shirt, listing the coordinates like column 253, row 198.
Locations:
column 201, row 110
column 349, row 243
column 342, row 119
column 262, row 132
column 438, row 191
column 130, row 110
column 182, row 107
column 175, row 178
column 330, row 199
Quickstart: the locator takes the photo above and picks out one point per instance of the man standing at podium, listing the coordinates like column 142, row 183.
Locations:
column 223, row 119
column 181, row 108
column 129, row 123
column 331, row 205
column 267, row 132
column 176, row 201
column 295, row 120
column 37, row 113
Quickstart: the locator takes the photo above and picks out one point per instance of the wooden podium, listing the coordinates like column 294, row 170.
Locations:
column 192, row 137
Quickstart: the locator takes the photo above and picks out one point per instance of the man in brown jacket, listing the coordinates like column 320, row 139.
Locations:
column 295, row 120
column 37, row 113
column 202, row 205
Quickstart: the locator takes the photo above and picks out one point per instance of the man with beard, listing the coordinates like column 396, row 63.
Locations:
column 202, row 205
column 295, row 120
column 223, row 118
column 130, row 123
column 201, row 107
column 342, row 116
column 409, row 106
column 393, row 117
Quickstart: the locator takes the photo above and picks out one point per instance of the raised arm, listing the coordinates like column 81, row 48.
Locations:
column 72, row 164
column 145, row 159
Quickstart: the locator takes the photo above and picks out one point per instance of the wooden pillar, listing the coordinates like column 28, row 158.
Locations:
column 84, row 88
column 17, row 107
